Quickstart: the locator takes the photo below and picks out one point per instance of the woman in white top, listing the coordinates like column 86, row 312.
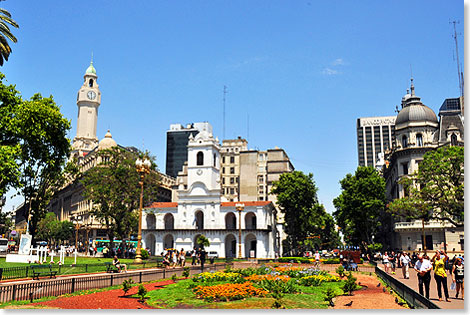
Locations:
column 386, row 261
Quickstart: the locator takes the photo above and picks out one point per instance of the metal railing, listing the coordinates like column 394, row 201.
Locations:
column 413, row 298
column 54, row 287
column 22, row 272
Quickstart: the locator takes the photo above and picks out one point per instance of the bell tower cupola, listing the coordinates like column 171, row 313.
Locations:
column 88, row 102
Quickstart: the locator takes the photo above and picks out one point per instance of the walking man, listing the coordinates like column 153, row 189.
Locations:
column 405, row 262
column 423, row 267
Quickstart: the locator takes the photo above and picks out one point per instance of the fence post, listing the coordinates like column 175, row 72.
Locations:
column 1, row 273
column 164, row 274
column 111, row 281
column 13, row 294
column 140, row 277
column 73, row 285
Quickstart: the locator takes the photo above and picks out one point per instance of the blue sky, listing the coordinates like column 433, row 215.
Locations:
column 302, row 71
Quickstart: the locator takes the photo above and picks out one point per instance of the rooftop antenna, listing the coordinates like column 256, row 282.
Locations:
column 225, row 92
column 460, row 74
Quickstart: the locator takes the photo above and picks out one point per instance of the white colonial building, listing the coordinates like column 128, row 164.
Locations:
column 200, row 210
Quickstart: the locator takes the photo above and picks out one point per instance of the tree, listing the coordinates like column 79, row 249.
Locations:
column 54, row 231
column 360, row 205
column 44, row 148
column 5, row 49
column 304, row 217
column 113, row 187
column 203, row 241
column 436, row 191
column 10, row 101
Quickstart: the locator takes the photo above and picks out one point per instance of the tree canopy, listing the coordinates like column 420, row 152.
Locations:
column 436, row 191
column 360, row 205
column 33, row 148
column 113, row 187
column 307, row 224
column 54, row 231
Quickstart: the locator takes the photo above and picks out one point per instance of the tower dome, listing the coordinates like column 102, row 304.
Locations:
column 413, row 110
column 107, row 143
column 91, row 69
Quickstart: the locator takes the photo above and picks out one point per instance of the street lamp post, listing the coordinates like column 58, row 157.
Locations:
column 76, row 221
column 142, row 167
column 240, row 207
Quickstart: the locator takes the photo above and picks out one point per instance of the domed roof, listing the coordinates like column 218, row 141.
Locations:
column 91, row 69
column 107, row 143
column 414, row 110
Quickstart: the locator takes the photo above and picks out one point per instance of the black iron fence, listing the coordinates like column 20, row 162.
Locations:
column 413, row 298
column 54, row 287
column 23, row 272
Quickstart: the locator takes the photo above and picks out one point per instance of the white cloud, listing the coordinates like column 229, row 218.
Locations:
column 329, row 71
column 338, row 62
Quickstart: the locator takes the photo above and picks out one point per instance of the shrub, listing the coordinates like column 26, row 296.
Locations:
column 185, row 272
column 276, row 287
column 299, row 260
column 127, row 285
column 340, row 271
column 350, row 284
column 144, row 253
column 331, row 261
column 174, row 277
column 142, row 292
column 329, row 295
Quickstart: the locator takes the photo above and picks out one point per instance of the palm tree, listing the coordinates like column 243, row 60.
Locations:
column 5, row 49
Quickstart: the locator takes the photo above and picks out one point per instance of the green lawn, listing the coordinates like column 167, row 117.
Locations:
column 180, row 295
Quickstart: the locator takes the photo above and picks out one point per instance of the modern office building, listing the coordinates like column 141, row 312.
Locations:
column 177, row 144
column 374, row 136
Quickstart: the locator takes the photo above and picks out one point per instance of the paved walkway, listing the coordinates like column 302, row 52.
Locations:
column 412, row 282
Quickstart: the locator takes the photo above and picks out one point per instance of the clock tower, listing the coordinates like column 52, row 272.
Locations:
column 88, row 101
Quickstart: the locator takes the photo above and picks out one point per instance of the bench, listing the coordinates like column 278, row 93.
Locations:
column 43, row 270
column 110, row 267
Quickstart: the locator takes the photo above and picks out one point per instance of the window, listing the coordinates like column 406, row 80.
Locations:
column 419, row 140
column 232, row 191
column 232, row 170
column 232, row 159
column 223, row 180
column 223, row 170
column 200, row 158
column 453, row 139
column 232, row 180
column 260, row 179
column 405, row 168
column 223, row 159
column 404, row 142
column 90, row 83
column 215, row 159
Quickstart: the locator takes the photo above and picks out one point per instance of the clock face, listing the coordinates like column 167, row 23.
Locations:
column 91, row 95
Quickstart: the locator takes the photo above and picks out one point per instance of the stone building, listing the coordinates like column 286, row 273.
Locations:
column 417, row 131
column 230, row 165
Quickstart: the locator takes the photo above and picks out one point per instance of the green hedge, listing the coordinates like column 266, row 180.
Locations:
column 306, row 260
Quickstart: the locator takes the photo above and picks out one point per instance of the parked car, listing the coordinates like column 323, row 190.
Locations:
column 3, row 245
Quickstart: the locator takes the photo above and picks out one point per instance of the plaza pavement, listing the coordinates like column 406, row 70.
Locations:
column 412, row 282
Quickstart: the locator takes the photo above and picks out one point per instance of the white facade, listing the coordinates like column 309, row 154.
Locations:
column 199, row 211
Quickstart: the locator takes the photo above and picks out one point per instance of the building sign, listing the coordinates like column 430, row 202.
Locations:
column 377, row 121
column 25, row 244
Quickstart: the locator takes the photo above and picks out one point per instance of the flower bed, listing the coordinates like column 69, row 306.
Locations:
column 217, row 276
column 228, row 291
column 258, row 278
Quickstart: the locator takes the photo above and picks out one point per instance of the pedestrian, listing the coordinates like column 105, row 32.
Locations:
column 193, row 256
column 457, row 276
column 386, row 261
column 174, row 258
column 423, row 267
column 440, row 275
column 182, row 257
column 393, row 259
column 414, row 259
column 405, row 263
column 202, row 258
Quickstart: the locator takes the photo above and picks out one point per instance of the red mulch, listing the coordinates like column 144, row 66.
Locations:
column 112, row 299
